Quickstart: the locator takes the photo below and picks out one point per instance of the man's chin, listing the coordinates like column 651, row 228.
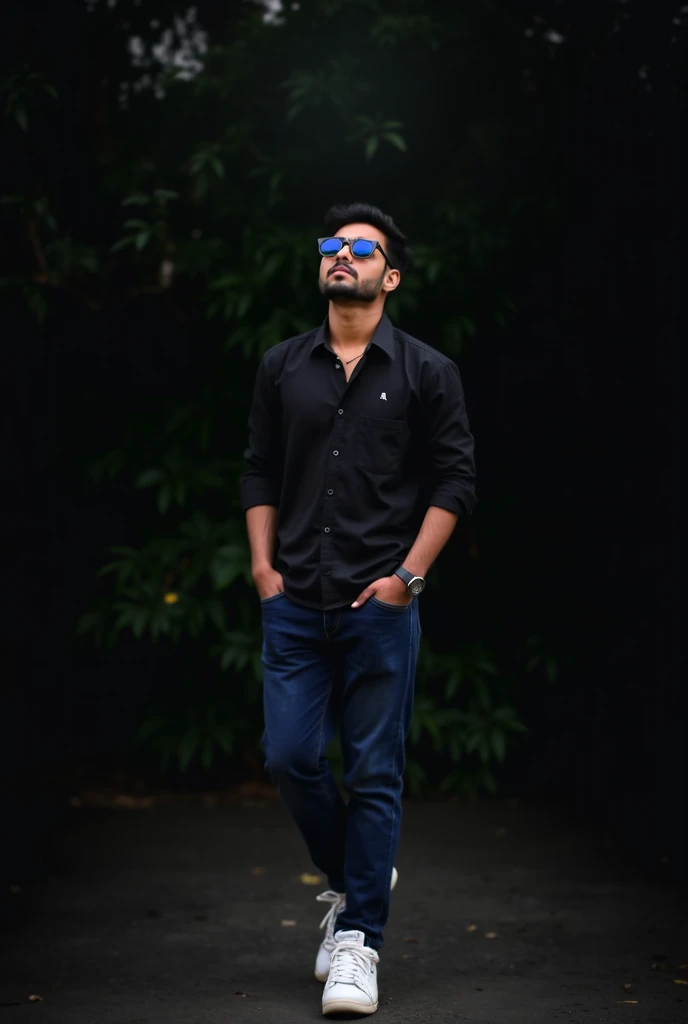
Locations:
column 341, row 290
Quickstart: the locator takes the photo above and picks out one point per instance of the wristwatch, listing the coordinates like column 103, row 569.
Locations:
column 414, row 584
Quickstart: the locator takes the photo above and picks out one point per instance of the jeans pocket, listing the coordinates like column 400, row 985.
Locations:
column 392, row 607
column 274, row 597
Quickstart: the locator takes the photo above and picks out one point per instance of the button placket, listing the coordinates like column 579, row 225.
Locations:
column 337, row 435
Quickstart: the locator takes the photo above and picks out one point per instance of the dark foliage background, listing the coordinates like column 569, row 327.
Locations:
column 166, row 170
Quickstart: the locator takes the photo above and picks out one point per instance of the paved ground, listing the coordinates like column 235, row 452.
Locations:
column 173, row 914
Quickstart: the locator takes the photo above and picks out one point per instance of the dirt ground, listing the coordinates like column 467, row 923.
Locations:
column 505, row 913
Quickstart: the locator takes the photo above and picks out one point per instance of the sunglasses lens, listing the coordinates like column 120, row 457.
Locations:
column 363, row 247
column 330, row 246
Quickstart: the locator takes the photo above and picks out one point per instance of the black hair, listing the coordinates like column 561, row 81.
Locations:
column 397, row 247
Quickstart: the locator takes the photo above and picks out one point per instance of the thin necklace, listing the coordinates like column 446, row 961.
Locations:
column 347, row 361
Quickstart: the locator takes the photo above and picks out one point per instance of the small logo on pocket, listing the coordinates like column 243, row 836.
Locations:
column 383, row 396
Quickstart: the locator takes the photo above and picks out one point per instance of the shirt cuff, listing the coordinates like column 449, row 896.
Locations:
column 461, row 503
column 258, row 492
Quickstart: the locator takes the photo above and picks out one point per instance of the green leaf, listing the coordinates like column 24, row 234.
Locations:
column 371, row 147
column 486, row 666
column 483, row 694
column 227, row 565
column 142, row 240
column 207, row 754
column 136, row 199
column 149, row 478
column 164, row 498
column 268, row 268
column 122, row 243
column 396, row 140
column 452, row 684
column 218, row 167
column 484, row 750
column 454, row 747
column 88, row 622
column 243, row 305
column 187, row 748
column 21, row 118
column 51, row 90
column 216, row 614
column 162, row 195
column 489, row 782
column 472, row 742
column 149, row 728
column 498, row 744
column 139, row 621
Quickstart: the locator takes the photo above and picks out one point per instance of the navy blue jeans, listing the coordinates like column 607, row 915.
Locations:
column 365, row 658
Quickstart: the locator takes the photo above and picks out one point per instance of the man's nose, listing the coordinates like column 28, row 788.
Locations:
column 344, row 253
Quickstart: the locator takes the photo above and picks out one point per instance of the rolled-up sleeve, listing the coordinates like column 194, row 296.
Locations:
column 261, row 483
column 450, row 472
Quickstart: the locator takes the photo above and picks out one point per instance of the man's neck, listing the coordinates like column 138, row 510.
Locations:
column 352, row 327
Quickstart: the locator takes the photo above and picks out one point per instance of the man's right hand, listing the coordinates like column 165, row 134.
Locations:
column 268, row 582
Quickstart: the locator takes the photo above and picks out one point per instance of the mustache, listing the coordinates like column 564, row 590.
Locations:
column 342, row 266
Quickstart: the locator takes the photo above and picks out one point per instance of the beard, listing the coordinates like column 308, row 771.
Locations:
column 356, row 291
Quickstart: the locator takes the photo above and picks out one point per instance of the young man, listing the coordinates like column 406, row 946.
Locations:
column 360, row 462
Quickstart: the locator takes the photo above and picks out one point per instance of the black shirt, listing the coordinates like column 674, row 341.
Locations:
column 353, row 467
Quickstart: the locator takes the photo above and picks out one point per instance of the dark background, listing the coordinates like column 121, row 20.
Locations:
column 538, row 176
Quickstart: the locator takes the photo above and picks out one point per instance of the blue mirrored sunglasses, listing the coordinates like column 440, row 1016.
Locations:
column 361, row 248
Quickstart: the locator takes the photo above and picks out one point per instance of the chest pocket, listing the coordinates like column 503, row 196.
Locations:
column 380, row 444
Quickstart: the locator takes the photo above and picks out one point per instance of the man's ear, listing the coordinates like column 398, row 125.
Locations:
column 392, row 279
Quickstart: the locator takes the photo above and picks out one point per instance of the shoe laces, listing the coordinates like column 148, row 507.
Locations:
column 338, row 900
column 350, row 964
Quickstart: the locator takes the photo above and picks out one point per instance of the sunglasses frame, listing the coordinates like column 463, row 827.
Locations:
column 350, row 242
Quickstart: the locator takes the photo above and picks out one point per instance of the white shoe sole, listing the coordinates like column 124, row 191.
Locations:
column 324, row 977
column 348, row 1006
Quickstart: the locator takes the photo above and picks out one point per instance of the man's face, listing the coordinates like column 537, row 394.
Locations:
column 343, row 278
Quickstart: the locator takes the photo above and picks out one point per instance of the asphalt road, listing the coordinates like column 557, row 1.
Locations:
column 504, row 914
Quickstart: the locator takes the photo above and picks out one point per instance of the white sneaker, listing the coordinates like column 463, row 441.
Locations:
column 322, row 961
column 338, row 901
column 352, row 982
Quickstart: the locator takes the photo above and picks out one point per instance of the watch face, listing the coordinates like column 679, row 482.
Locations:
column 417, row 587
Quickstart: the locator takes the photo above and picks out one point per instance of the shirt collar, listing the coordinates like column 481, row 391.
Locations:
column 383, row 335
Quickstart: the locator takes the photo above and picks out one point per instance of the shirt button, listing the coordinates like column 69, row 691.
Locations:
column 337, row 366
column 327, row 529
column 335, row 452
column 340, row 411
column 330, row 491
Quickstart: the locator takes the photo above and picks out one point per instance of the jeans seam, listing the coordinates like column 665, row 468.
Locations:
column 409, row 675
column 320, row 735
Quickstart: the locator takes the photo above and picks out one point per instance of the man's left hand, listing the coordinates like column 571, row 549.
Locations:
column 388, row 589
